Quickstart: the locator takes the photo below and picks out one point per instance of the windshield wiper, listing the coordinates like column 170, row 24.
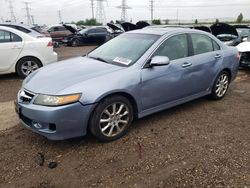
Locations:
column 98, row 58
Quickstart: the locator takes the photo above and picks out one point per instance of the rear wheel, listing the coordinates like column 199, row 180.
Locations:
column 111, row 119
column 27, row 65
column 221, row 86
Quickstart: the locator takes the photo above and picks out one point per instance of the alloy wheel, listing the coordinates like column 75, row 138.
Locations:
column 222, row 85
column 28, row 67
column 114, row 119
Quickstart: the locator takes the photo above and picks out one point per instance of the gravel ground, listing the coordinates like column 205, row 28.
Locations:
column 199, row 144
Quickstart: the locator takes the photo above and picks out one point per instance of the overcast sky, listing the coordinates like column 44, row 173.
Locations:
column 46, row 11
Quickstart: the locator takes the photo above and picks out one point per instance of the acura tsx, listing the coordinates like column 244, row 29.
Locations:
column 136, row 74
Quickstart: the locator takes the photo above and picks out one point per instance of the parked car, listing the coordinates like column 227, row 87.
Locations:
column 243, row 31
column 226, row 33
column 34, row 31
column 90, row 36
column 23, row 53
column 244, row 49
column 58, row 32
column 131, row 76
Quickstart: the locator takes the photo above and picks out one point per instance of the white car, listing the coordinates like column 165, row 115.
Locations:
column 22, row 53
column 244, row 49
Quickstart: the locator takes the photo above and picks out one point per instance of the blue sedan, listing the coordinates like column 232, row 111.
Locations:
column 136, row 74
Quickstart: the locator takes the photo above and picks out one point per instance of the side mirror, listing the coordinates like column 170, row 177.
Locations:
column 159, row 61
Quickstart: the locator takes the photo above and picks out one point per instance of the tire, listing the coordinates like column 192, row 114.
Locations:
column 27, row 65
column 113, row 125
column 75, row 43
column 220, row 86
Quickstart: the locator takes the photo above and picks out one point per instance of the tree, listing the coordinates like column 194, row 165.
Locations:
column 196, row 21
column 240, row 18
column 156, row 22
column 217, row 20
column 89, row 22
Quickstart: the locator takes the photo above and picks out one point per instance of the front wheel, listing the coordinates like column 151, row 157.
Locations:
column 111, row 119
column 221, row 86
column 75, row 42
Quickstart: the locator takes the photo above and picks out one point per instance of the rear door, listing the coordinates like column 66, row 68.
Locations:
column 10, row 47
column 205, row 61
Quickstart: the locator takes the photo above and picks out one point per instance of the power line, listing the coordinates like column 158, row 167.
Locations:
column 12, row 14
column 28, row 15
column 60, row 16
column 124, row 7
column 100, row 12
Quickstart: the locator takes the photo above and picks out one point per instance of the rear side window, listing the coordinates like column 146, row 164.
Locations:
column 216, row 46
column 92, row 31
column 100, row 31
column 6, row 37
column 174, row 48
column 23, row 29
column 201, row 44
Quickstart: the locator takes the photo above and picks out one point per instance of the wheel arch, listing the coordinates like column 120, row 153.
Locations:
column 127, row 96
column 27, row 57
column 229, row 72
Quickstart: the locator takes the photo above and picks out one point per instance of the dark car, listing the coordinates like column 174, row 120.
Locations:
column 90, row 36
column 226, row 33
column 35, row 31
column 243, row 31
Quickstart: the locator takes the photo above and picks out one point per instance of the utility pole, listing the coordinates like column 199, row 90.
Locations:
column 33, row 19
column 100, row 12
column 60, row 16
column 124, row 7
column 12, row 14
column 28, row 15
column 92, row 8
column 152, row 9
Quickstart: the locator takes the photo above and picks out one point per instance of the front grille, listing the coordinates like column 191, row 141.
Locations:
column 26, row 96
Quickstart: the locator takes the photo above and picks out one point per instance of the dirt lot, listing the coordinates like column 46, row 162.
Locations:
column 199, row 144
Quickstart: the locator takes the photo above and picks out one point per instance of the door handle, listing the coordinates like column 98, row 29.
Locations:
column 217, row 56
column 184, row 65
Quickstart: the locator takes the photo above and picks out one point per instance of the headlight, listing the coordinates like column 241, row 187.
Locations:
column 46, row 100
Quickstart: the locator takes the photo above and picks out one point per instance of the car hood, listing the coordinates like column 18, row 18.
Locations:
column 244, row 47
column 223, row 28
column 203, row 28
column 58, row 76
column 142, row 24
column 129, row 26
column 70, row 28
column 114, row 27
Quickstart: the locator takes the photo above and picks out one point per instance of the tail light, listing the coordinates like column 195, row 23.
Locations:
column 50, row 44
column 239, row 56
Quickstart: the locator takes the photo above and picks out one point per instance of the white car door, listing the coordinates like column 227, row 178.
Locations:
column 10, row 47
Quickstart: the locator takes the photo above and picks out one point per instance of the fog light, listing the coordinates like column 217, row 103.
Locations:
column 37, row 125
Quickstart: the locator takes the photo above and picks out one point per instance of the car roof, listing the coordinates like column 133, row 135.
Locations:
column 162, row 31
column 17, row 24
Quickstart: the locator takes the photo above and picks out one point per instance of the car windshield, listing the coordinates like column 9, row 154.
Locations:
column 244, row 32
column 83, row 31
column 125, row 49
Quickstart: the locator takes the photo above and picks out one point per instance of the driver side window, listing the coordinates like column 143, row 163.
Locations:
column 174, row 48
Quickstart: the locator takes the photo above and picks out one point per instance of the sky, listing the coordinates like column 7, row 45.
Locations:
column 46, row 11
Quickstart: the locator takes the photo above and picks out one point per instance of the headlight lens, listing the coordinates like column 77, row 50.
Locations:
column 46, row 100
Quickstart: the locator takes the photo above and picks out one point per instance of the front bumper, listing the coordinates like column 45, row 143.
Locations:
column 55, row 123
